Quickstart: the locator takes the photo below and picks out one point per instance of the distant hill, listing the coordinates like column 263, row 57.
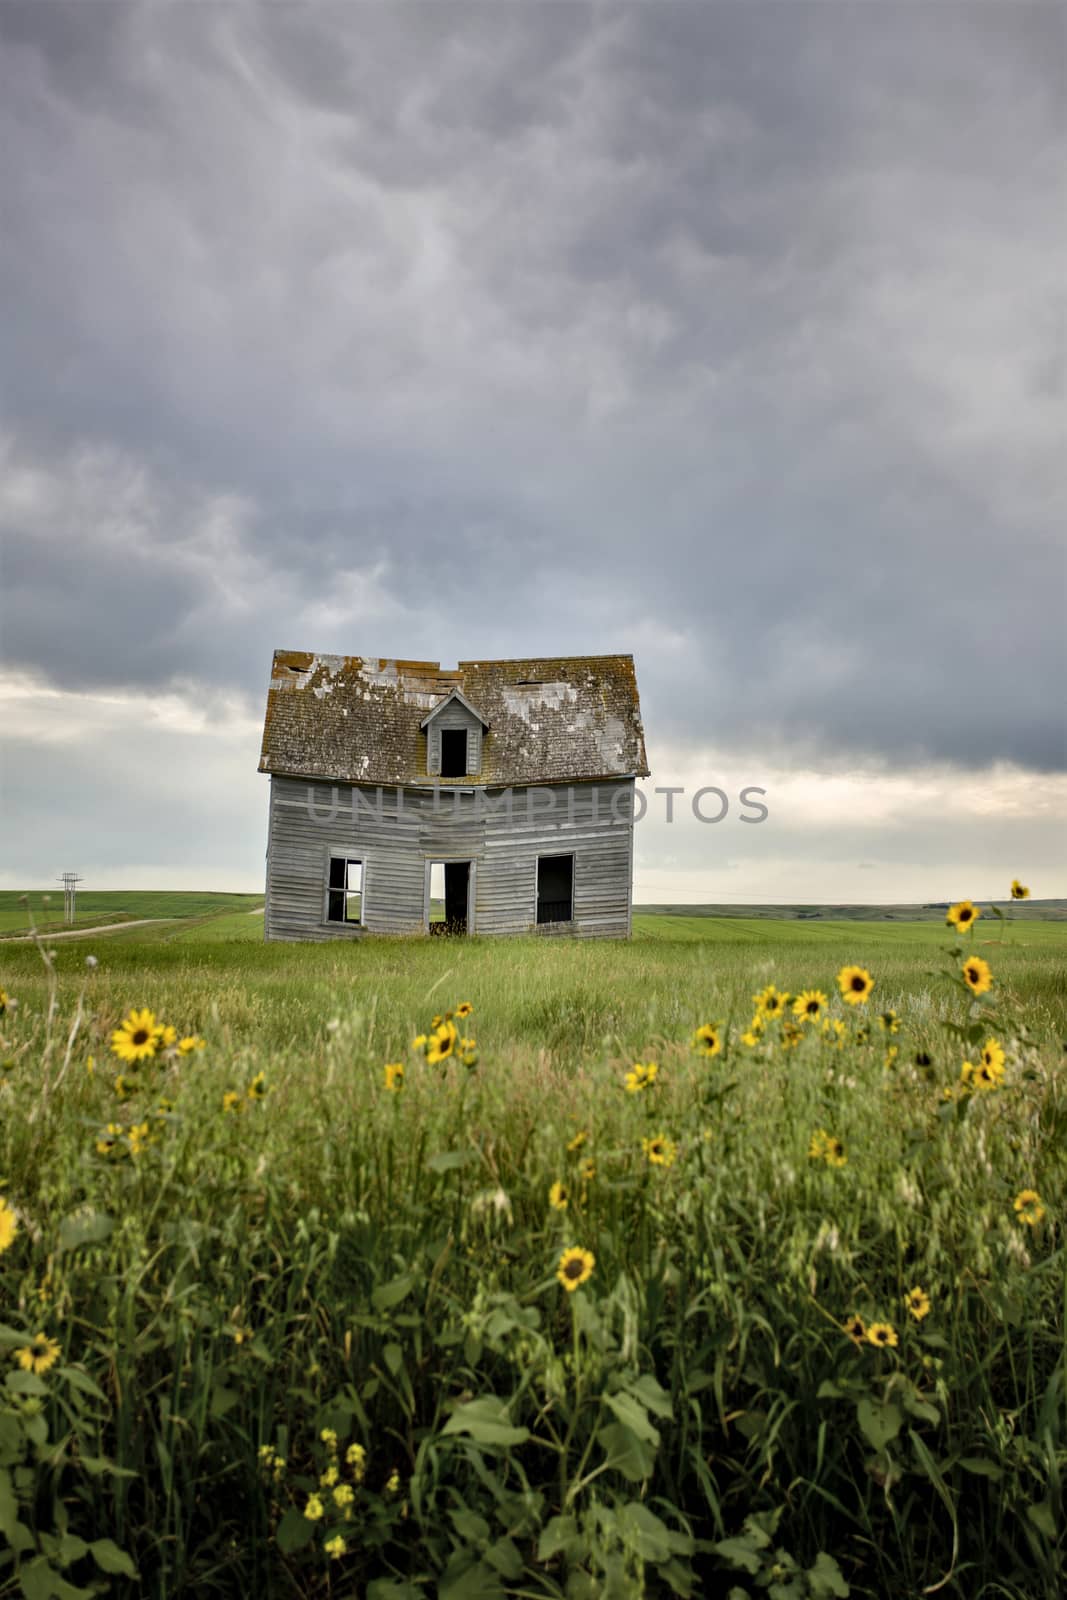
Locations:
column 1020, row 910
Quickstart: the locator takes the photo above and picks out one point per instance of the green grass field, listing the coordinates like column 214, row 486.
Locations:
column 231, row 1269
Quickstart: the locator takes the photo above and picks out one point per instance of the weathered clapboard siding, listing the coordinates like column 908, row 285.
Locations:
column 396, row 836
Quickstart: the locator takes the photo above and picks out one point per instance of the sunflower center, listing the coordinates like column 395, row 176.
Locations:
column 813, row 1008
column 857, row 982
column 141, row 1036
column 573, row 1269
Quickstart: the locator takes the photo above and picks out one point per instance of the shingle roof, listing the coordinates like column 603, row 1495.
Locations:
column 356, row 719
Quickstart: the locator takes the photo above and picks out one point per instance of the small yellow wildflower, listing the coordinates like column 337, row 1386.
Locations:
column 660, row 1150
column 835, row 1032
column 889, row 1022
column 791, row 1035
column 641, row 1076
column 963, row 916
column 137, row 1036
column 1028, row 1207
column 329, row 1438
column 441, row 1043
column 314, row 1509
column 356, row 1457
column 855, row 1329
column 39, row 1356
column 917, row 1302
column 558, row 1197
column 1019, row 891
column 8, row 1226
column 708, row 1039
column 343, row 1495
column 464, row 1008
column 257, row 1089
column 580, row 1138
column 191, row 1042
column 139, row 1135
column 5, row 1001
column 754, row 1034
column 169, row 1037
column 587, row 1171
column 993, row 1056
column 231, row 1101
column 394, row 1076
column 810, row 1005
column 892, row 1051
column 90, row 1065
column 419, row 1042
column 335, row 1547
column 855, row 984
column 575, row 1268
column 977, row 975
column 883, row 1335
column 392, row 1483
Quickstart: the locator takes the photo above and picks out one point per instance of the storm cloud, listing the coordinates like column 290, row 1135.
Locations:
column 729, row 335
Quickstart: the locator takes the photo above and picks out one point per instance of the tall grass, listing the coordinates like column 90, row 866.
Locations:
column 337, row 1259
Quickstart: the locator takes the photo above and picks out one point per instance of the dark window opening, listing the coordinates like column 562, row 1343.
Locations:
column 453, row 752
column 555, row 888
column 449, row 896
column 344, row 893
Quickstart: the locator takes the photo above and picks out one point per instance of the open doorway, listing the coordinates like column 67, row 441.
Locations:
column 555, row 888
column 448, row 896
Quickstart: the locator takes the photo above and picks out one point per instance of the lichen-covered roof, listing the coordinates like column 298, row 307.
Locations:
column 356, row 719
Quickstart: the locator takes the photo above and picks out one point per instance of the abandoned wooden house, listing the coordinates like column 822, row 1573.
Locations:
column 495, row 798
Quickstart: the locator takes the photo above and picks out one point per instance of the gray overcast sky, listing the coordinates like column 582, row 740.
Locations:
column 731, row 335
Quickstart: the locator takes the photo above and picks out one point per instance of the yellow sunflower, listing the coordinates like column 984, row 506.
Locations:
column 8, row 1226
column 441, row 1043
column 1019, row 891
column 5, row 999
column 1028, row 1207
column 855, row 1328
column 575, row 1268
column 558, row 1198
column 707, row 1039
column 394, row 1076
column 191, row 1042
column 917, row 1302
column 464, row 1008
column 810, row 1005
column 754, row 1034
column 660, row 1150
column 257, row 1089
column 580, row 1138
column 855, row 984
column 882, row 1334
column 137, row 1036
column 39, row 1356
column 993, row 1055
column 770, row 1002
column 977, row 975
column 231, row 1101
column 963, row 916
column 889, row 1022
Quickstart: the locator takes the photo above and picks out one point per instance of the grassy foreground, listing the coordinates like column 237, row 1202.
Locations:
column 271, row 1327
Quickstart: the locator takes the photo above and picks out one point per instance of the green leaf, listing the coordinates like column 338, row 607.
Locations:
column 391, row 1589
column 26, row 1383
column 739, row 1552
column 625, row 1452
column 981, row 1467
column 81, row 1381
column 83, row 1227
column 109, row 1558
column 487, row 1421
column 393, row 1356
column 223, row 1399
column 449, row 1160
column 559, row 1535
column 825, row 1579
column 880, row 1421
column 388, row 1295
column 1040, row 1514
column 98, row 1466
column 636, row 1418
column 504, row 1557
column 478, row 1582
column 654, row 1397
column 294, row 1531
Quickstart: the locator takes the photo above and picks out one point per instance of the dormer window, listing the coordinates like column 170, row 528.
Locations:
column 454, row 733
column 453, row 752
